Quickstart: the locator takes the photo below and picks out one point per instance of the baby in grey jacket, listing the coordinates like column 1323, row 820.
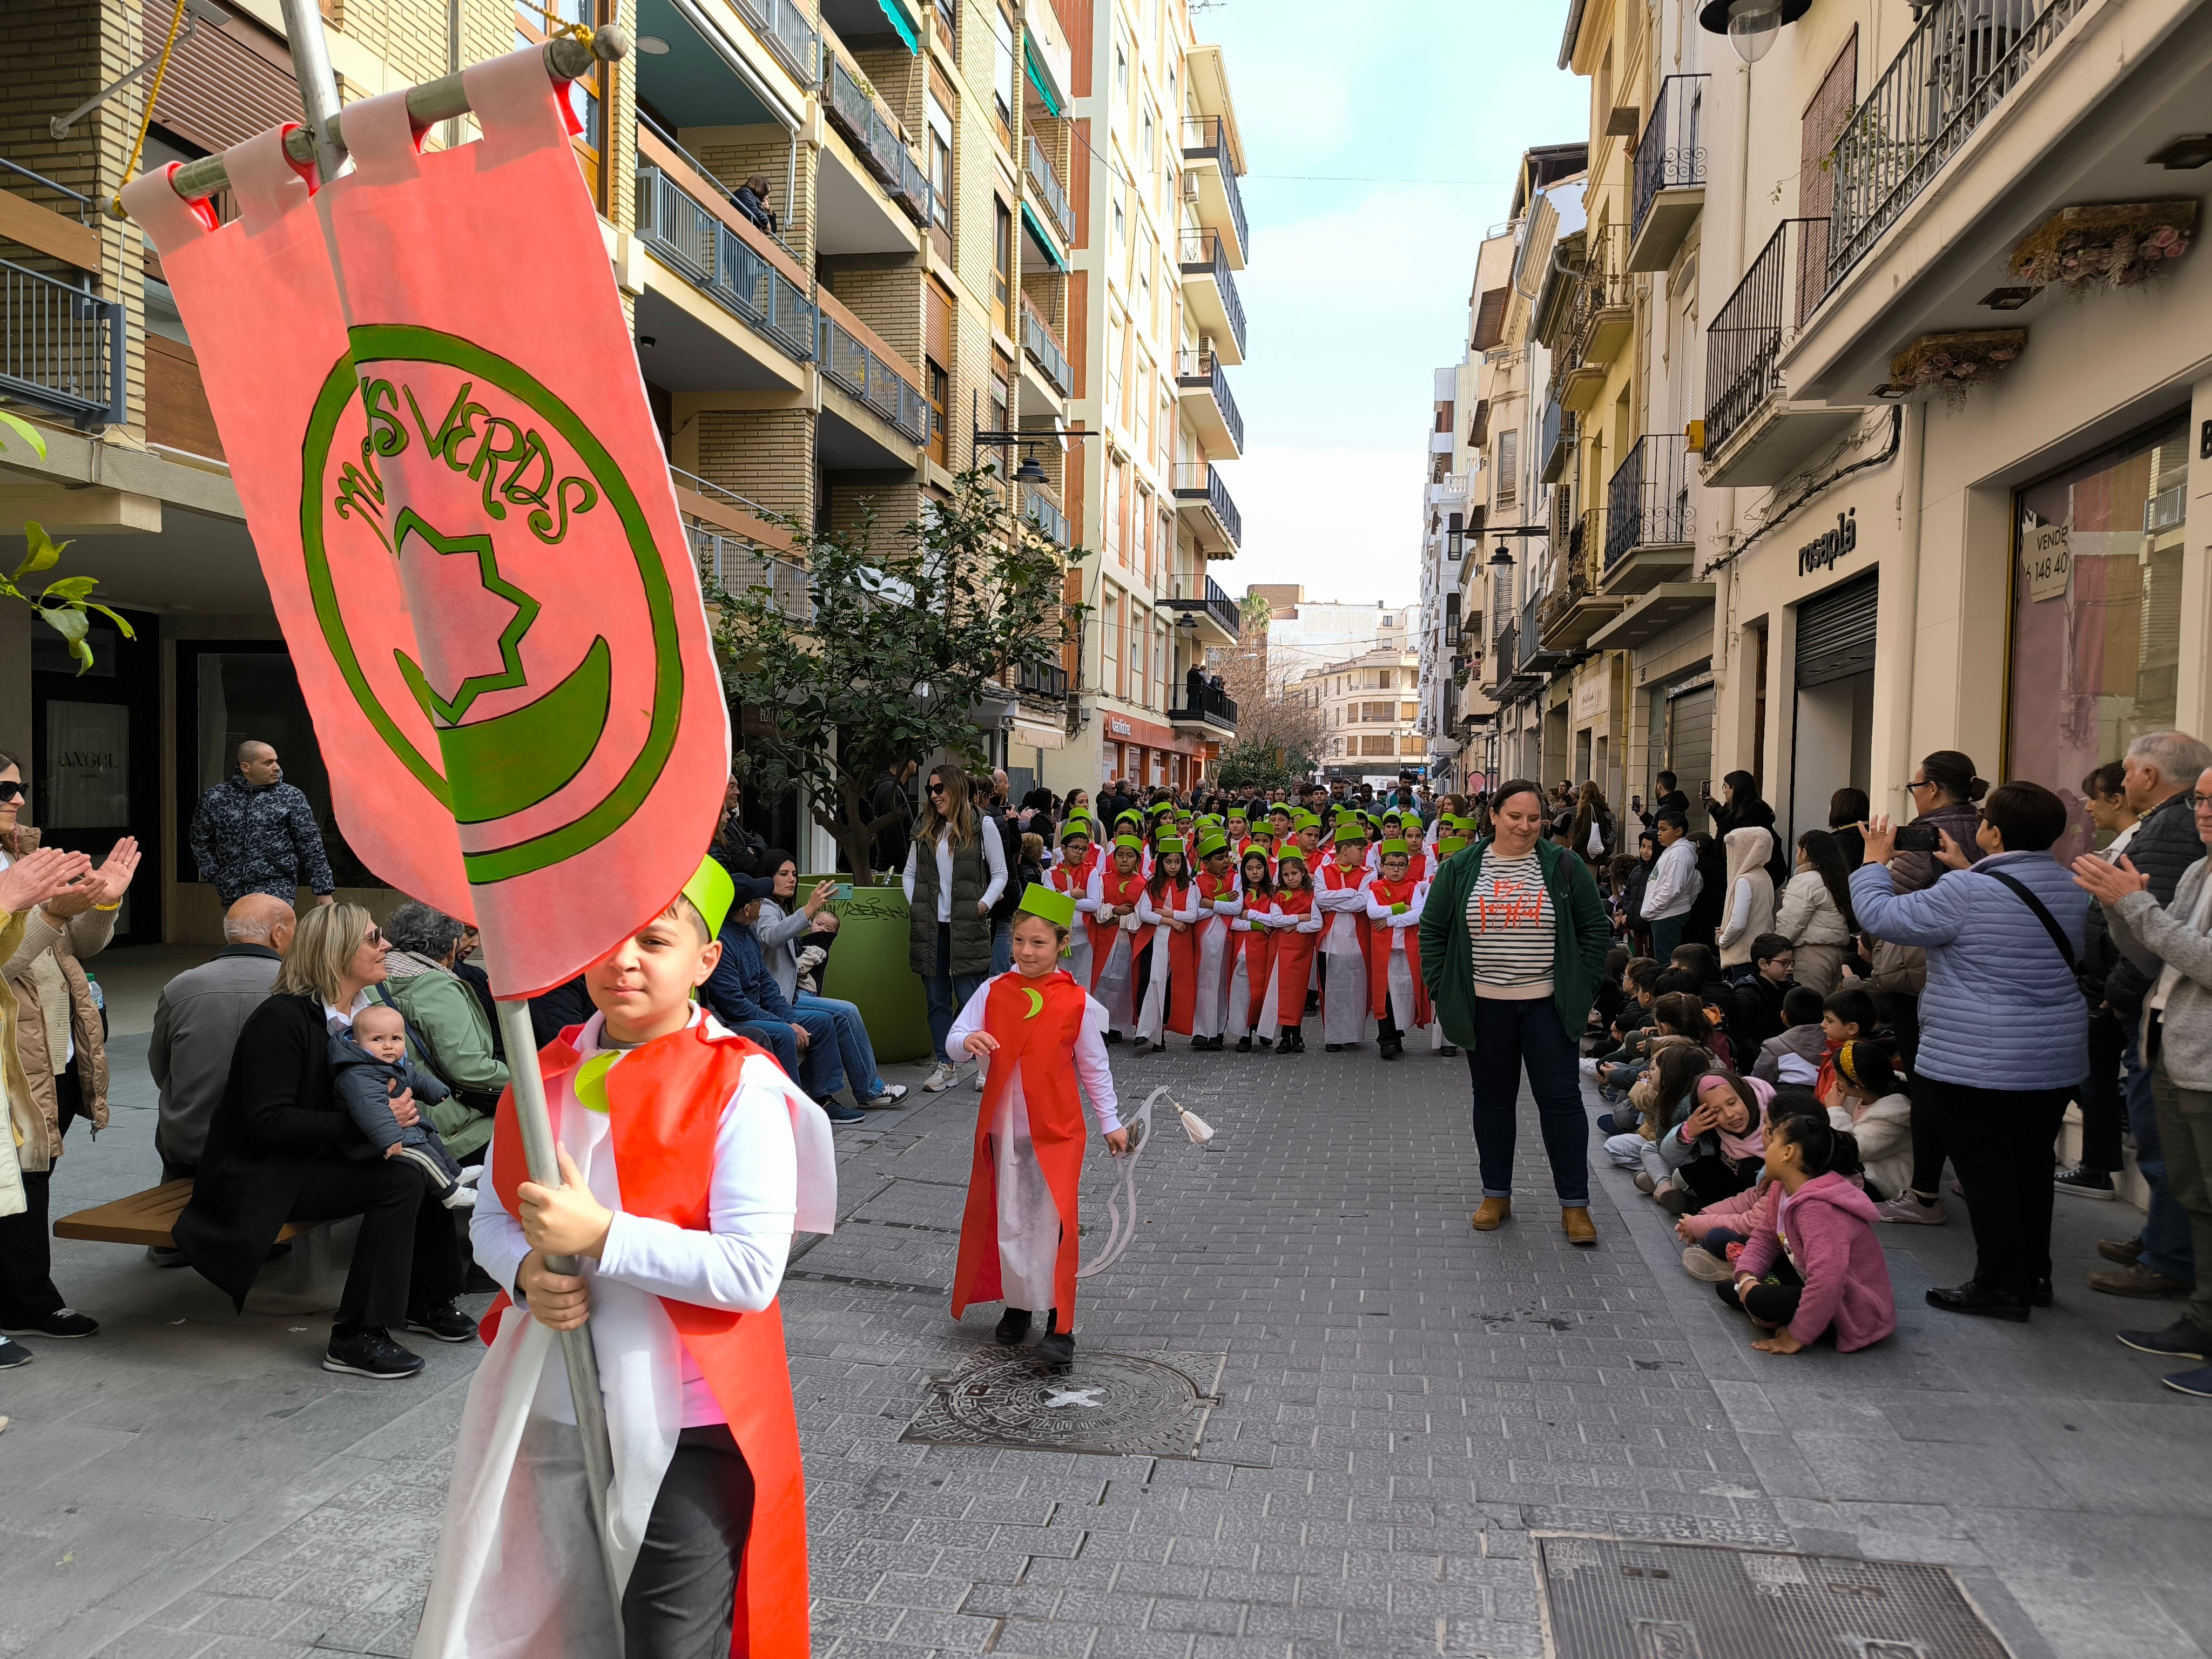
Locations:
column 371, row 1069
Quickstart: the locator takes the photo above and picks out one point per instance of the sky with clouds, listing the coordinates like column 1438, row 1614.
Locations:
column 1356, row 291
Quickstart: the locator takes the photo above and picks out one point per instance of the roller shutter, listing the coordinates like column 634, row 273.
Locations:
column 1835, row 632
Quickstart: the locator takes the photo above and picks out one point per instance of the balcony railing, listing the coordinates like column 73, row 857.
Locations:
column 1208, row 703
column 1041, row 679
column 740, row 568
column 1604, row 286
column 1671, row 154
column 1051, row 523
column 1748, row 332
column 1648, row 502
column 1046, row 178
column 1506, row 654
column 1213, row 602
column 665, row 136
column 1206, row 136
column 1043, row 348
column 63, row 347
column 715, row 257
column 1202, row 255
column 846, row 361
column 1203, row 369
column 1957, row 65
column 860, row 116
column 1200, row 481
column 1555, row 444
column 784, row 29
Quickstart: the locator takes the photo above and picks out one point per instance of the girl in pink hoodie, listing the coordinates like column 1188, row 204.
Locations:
column 1815, row 1268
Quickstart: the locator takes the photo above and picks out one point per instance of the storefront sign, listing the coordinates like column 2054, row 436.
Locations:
column 1822, row 552
column 1119, row 727
column 1593, row 698
column 2046, row 554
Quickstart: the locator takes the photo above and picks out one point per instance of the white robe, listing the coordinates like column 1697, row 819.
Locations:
column 1238, row 1022
column 1078, row 960
column 519, row 1571
column 1211, row 1016
column 1344, row 992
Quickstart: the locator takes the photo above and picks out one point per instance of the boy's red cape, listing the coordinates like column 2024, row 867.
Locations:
column 665, row 1110
column 1046, row 1034
column 1387, row 893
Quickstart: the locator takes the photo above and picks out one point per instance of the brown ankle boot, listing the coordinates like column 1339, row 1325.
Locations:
column 1576, row 1219
column 1492, row 1213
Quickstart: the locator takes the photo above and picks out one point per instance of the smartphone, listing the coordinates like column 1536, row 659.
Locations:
column 844, row 890
column 1919, row 838
column 1704, row 788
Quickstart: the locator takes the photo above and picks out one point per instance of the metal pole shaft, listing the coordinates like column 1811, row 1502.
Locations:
column 536, row 1123
column 319, row 87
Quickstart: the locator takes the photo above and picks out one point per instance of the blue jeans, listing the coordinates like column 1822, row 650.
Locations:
column 853, row 1049
column 1507, row 1035
column 819, row 1071
column 947, row 992
column 2166, row 1248
column 1002, row 948
column 777, row 1039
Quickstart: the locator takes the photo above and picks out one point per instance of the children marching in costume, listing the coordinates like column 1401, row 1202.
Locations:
column 1170, row 906
column 1042, row 1036
column 1219, row 906
column 1072, row 875
column 1397, row 997
column 1347, row 940
column 688, row 1158
column 1251, row 950
column 1118, row 938
column 1294, row 926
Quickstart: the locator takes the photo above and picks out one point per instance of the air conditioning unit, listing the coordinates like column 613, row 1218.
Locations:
column 1190, row 187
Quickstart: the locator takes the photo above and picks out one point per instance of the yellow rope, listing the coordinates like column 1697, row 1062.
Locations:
column 558, row 26
column 130, row 167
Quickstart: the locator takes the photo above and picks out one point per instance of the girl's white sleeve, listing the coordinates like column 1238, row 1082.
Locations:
column 1094, row 892
column 968, row 1022
column 1147, row 916
column 1739, row 916
column 995, row 856
column 1198, row 906
column 752, row 1207
column 1313, row 922
column 906, row 878
column 1091, row 1069
column 495, row 1237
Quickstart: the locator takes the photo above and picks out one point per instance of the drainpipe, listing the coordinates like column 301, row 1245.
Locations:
column 1899, row 607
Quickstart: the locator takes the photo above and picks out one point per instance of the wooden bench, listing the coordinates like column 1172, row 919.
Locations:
column 143, row 1219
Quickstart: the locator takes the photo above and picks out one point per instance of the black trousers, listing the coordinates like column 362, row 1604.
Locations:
column 2000, row 1143
column 682, row 1598
column 27, row 1292
column 2103, row 1109
column 1770, row 1304
column 1710, row 1179
column 407, row 1256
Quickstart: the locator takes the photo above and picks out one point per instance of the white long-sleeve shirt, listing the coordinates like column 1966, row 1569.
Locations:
column 1675, row 882
column 994, row 857
column 1091, row 1069
column 1150, row 914
column 752, row 1208
column 1312, row 922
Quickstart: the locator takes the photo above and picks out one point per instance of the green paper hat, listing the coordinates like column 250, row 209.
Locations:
column 710, row 890
column 1395, row 848
column 1448, row 845
column 1167, row 844
column 1157, row 808
column 1265, row 829
column 1129, row 816
column 1208, row 845
column 1238, row 815
column 1293, row 854
column 1305, row 820
column 1057, row 908
column 1285, row 808
column 1073, row 828
column 1351, row 829
column 1134, row 843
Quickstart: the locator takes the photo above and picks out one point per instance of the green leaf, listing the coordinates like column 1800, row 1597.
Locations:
column 70, row 588
column 82, row 652
column 122, row 626
column 43, row 551
column 68, row 622
column 23, row 429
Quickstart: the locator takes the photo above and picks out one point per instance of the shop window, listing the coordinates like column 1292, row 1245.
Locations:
column 2096, row 610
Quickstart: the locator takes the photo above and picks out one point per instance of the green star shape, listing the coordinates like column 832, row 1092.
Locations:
column 511, row 673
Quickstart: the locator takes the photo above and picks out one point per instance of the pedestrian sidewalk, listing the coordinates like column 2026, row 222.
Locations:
column 1403, row 1403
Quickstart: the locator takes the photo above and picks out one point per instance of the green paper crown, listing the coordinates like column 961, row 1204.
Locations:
column 1073, row 828
column 1057, row 908
column 1395, row 848
column 1136, row 844
column 1214, row 842
column 1448, row 845
column 710, row 890
column 1167, row 844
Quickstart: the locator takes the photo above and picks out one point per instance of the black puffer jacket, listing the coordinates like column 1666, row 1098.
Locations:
column 249, row 838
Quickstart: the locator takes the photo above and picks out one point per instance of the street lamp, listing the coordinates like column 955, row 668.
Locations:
column 1752, row 26
column 1502, row 559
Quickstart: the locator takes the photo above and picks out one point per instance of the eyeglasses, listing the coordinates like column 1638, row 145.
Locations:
column 1918, row 783
column 372, row 937
column 2197, row 803
column 936, row 788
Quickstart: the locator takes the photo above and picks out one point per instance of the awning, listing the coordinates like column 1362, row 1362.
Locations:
column 1036, row 74
column 895, row 12
column 1044, row 241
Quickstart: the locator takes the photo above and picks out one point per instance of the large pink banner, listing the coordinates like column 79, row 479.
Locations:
column 426, row 386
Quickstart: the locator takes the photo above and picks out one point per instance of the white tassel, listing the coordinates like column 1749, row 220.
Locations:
column 1194, row 1126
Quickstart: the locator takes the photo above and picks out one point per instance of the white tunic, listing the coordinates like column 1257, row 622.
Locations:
column 1117, row 988
column 1344, row 991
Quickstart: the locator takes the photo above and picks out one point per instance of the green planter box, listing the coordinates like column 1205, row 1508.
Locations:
column 870, row 968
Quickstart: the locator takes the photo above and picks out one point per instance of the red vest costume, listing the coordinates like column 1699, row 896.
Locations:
column 664, row 1112
column 1292, row 954
column 1339, row 881
column 1046, row 1034
column 1386, row 894
column 1258, row 948
column 1182, row 962
column 1118, row 890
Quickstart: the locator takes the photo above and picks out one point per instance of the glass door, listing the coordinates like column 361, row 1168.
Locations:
column 95, row 775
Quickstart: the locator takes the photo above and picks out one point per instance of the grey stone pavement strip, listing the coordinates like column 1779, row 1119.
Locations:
column 1404, row 1402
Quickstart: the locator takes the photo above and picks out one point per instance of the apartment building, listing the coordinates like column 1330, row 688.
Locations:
column 1158, row 234
column 1368, row 711
column 954, row 209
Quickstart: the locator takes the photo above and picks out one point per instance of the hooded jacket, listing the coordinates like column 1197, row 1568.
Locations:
column 57, row 1021
column 1747, row 909
column 1827, row 1230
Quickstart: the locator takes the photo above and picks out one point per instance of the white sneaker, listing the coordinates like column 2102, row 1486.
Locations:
column 1906, row 1207
column 1590, row 1069
column 1703, row 1265
column 980, row 1078
column 471, row 1173
column 461, row 1197
column 893, row 1093
column 940, row 1080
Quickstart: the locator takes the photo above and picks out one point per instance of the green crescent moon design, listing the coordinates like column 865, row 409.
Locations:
column 1036, row 1002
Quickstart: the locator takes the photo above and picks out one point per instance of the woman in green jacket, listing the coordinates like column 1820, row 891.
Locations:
column 1513, row 942
column 445, row 1021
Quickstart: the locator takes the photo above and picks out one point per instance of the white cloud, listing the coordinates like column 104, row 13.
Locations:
column 1345, row 523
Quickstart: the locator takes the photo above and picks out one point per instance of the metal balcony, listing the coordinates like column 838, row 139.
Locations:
column 848, row 364
column 740, row 568
column 1206, row 140
column 1200, row 372
column 1958, row 64
column 876, row 138
column 784, row 30
column 1555, row 442
column 1650, row 528
column 1207, row 707
column 1753, row 435
column 1212, row 605
column 1198, row 488
column 717, row 262
column 63, row 347
column 1537, row 657
column 1212, row 296
column 1043, row 348
column 1044, row 514
column 1049, row 191
column 1597, row 320
column 1669, row 172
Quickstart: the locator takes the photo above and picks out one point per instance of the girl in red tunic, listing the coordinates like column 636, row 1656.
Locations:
column 1170, row 902
column 1295, row 926
column 1396, row 995
column 1118, row 937
column 1072, row 875
column 1040, row 1035
column 1251, row 943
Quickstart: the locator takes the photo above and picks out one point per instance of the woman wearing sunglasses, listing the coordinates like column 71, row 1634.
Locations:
column 59, row 1034
column 280, row 1148
column 955, row 868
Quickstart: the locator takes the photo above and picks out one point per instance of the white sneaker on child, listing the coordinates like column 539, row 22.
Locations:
column 470, row 1173
column 1590, row 1069
column 461, row 1197
column 1907, row 1206
column 940, row 1080
column 1702, row 1264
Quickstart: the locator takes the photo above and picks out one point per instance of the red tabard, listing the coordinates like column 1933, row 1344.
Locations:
column 1075, row 878
column 1046, row 1036
column 1258, row 947
column 1292, row 953
column 1212, row 888
column 1386, row 894
column 664, row 1111
column 1183, row 962
column 1118, row 890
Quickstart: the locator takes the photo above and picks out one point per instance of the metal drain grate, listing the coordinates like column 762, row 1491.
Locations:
column 1110, row 1404
column 1607, row 1598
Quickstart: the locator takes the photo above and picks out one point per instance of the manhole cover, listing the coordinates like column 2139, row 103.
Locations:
column 1609, row 1598
column 1115, row 1404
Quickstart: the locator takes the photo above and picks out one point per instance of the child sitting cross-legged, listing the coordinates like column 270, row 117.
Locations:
column 1715, row 1150
column 370, row 1066
column 1814, row 1269
column 1659, row 1098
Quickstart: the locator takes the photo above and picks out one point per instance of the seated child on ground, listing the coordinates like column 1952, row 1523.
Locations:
column 1661, row 1098
column 1716, row 1151
column 1816, row 1270
column 1612, row 994
column 1878, row 1113
column 1845, row 1015
column 1794, row 1058
column 1757, row 1012
column 1677, row 1017
column 1714, row 1237
column 372, row 1071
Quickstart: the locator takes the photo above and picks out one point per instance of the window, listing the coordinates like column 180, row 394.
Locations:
column 940, row 163
column 948, row 19
column 1117, row 486
column 1506, row 490
column 1002, row 257
column 1114, row 330
column 1384, row 679
column 939, row 384
column 1121, row 67
column 1147, row 138
column 1145, row 532
column 586, row 97
column 1143, row 401
column 1004, row 83
column 1137, row 623
column 1409, row 711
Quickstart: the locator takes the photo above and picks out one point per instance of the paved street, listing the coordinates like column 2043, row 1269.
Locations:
column 1403, row 1403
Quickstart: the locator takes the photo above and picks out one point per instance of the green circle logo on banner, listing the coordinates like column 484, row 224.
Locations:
column 520, row 474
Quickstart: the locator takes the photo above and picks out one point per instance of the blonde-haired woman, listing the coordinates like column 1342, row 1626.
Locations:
column 281, row 1148
column 956, row 869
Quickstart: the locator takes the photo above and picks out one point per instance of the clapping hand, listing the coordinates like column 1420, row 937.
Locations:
column 38, row 877
column 2108, row 883
column 104, row 887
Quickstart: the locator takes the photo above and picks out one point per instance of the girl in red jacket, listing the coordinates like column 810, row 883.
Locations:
column 1815, row 1268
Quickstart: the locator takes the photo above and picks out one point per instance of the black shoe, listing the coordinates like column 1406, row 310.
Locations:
column 837, row 1112
column 1245, row 1045
column 13, row 1354
column 370, row 1351
column 1199, row 1044
column 1057, row 1349
column 2040, row 1296
column 1313, row 1002
column 442, row 1322
column 1113, row 1037
column 1449, row 1051
column 1393, row 1051
column 1973, row 1298
column 1266, row 1043
column 1213, row 1044
column 1013, row 1325
column 2179, row 1340
column 66, row 1323
column 1332, row 1048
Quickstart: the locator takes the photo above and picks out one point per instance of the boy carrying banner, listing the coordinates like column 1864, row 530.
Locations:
column 689, row 1159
